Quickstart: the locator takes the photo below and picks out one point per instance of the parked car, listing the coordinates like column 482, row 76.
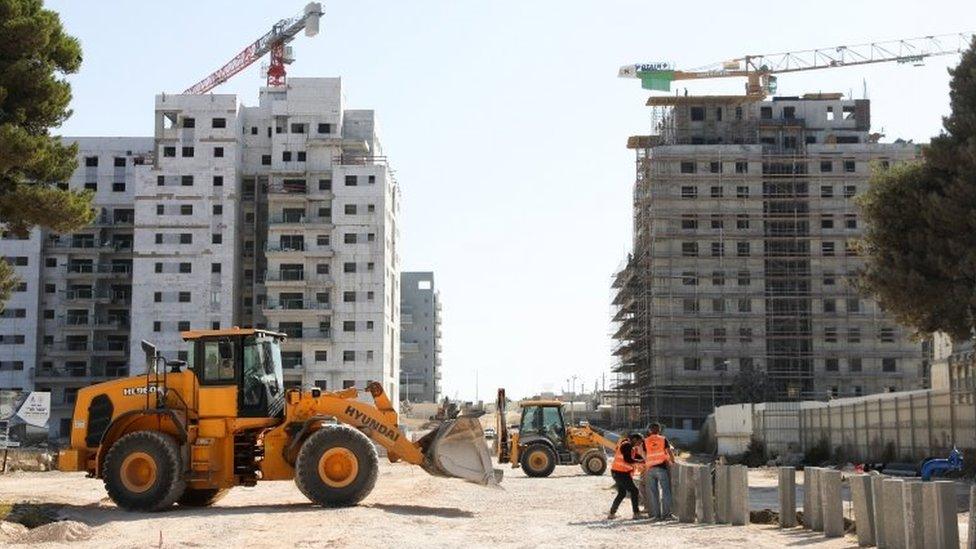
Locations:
column 489, row 432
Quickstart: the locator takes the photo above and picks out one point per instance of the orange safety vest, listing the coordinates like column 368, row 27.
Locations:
column 656, row 453
column 619, row 464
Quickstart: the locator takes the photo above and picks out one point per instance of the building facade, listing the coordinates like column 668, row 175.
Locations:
column 738, row 287
column 281, row 216
column 420, row 346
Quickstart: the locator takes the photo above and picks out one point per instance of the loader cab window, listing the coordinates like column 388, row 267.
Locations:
column 262, row 388
column 543, row 420
column 218, row 363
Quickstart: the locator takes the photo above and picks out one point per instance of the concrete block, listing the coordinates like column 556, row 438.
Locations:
column 813, row 513
column 892, row 495
column 673, row 476
column 739, row 495
column 686, row 486
column 864, row 517
column 941, row 529
column 877, row 495
column 831, row 503
column 704, row 495
column 807, row 490
column 914, row 519
column 722, row 494
column 971, row 542
column 787, row 497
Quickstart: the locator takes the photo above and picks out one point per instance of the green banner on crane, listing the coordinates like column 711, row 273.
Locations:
column 656, row 80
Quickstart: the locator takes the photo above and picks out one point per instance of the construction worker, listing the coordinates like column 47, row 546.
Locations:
column 658, row 456
column 624, row 459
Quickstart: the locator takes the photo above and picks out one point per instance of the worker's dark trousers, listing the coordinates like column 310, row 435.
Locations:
column 625, row 485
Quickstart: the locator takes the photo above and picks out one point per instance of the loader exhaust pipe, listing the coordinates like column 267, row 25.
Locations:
column 457, row 449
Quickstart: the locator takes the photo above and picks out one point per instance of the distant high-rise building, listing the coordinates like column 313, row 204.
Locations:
column 281, row 216
column 739, row 284
column 420, row 334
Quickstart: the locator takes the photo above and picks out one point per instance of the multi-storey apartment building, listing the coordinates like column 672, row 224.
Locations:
column 282, row 216
column 739, row 283
column 68, row 322
column 420, row 346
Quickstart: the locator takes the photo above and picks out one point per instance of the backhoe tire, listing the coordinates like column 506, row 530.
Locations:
column 336, row 466
column 538, row 460
column 143, row 471
column 594, row 462
column 201, row 497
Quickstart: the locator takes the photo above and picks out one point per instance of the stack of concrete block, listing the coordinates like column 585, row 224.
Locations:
column 877, row 493
column 787, row 497
column 738, row 495
column 914, row 514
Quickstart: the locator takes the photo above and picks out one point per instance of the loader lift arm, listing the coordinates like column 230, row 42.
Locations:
column 447, row 451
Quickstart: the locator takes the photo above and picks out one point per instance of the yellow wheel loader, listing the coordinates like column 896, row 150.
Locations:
column 543, row 440
column 189, row 431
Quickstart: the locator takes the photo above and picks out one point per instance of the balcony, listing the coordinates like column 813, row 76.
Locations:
column 89, row 246
column 98, row 347
column 306, row 335
column 412, row 347
column 91, row 296
column 295, row 278
column 101, row 270
column 296, row 305
column 80, row 374
column 300, row 221
column 118, row 221
column 298, row 249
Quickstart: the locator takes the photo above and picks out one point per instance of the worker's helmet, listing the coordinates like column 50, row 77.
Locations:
column 654, row 428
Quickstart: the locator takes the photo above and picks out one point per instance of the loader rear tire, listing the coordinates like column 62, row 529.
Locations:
column 594, row 462
column 336, row 466
column 143, row 471
column 201, row 497
column 538, row 460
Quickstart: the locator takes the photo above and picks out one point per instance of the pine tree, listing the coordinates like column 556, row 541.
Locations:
column 921, row 238
column 35, row 54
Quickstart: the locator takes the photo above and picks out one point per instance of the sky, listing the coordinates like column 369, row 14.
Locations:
column 506, row 125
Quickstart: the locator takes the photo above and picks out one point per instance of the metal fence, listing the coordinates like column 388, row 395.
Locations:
column 901, row 426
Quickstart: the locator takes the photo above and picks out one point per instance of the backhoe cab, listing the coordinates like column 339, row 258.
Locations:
column 187, row 432
column 543, row 440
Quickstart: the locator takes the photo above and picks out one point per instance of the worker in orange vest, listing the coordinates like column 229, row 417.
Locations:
column 625, row 457
column 658, row 456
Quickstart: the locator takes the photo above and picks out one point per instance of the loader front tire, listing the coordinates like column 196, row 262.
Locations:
column 594, row 462
column 201, row 497
column 143, row 471
column 538, row 460
column 336, row 466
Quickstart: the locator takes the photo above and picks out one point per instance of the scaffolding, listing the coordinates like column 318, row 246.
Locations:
column 738, row 287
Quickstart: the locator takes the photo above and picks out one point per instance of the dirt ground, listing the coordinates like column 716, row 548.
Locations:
column 408, row 508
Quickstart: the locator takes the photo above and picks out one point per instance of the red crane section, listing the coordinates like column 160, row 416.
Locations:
column 272, row 42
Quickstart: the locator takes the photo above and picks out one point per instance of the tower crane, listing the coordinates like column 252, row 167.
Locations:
column 760, row 70
column 281, row 33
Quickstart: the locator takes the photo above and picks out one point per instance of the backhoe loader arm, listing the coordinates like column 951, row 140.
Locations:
column 378, row 422
column 606, row 439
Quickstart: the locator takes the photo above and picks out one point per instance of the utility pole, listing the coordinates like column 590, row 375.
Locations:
column 475, row 386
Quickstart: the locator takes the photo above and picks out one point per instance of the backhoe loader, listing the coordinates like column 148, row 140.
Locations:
column 188, row 432
column 543, row 440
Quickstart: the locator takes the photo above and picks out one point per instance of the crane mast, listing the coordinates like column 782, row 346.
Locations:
column 272, row 42
column 759, row 70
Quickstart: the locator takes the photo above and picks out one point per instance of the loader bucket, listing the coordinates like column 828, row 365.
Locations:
column 457, row 449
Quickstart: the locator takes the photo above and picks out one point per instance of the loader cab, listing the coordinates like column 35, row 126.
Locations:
column 238, row 371
column 543, row 419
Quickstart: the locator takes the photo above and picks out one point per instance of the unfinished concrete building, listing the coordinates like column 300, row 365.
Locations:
column 738, row 286
column 420, row 333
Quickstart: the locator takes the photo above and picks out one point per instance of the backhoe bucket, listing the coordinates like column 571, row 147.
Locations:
column 457, row 449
